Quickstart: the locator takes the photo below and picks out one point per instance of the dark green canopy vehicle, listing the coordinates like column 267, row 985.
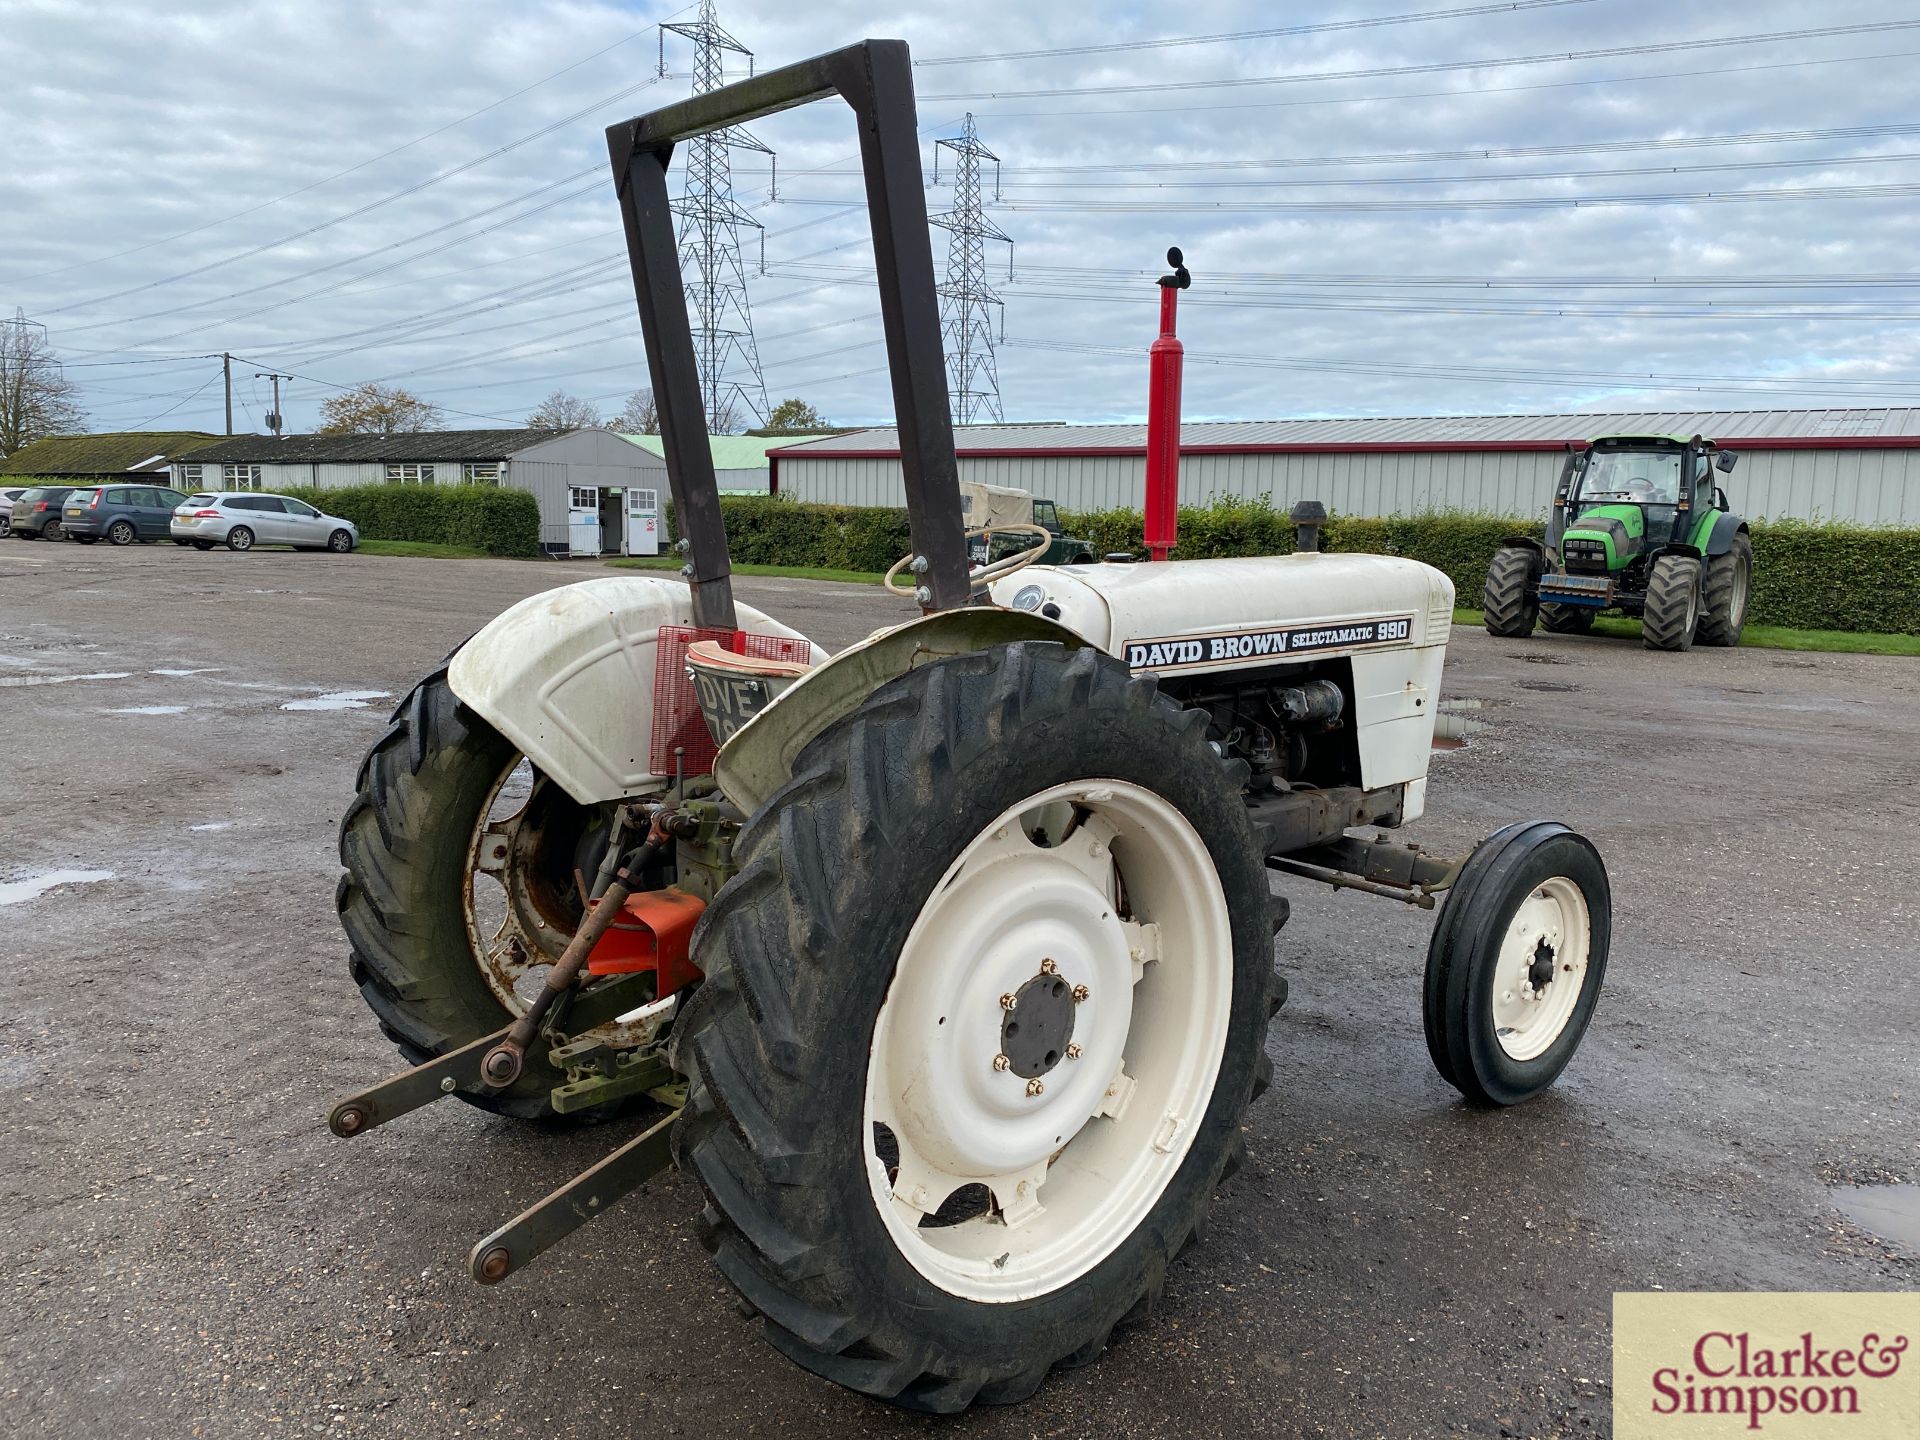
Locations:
column 1638, row 526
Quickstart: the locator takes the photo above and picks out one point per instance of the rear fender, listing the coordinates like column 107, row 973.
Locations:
column 760, row 756
column 567, row 676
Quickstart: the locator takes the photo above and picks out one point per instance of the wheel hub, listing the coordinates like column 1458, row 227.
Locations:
column 1540, row 973
column 1036, row 1033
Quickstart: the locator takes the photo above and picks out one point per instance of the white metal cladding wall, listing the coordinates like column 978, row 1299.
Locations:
column 1867, row 486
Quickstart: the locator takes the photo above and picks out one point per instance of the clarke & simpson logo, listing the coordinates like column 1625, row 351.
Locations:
column 1784, row 1365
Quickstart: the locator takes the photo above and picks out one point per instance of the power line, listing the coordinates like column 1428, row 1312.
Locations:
column 1718, row 72
column 1440, row 66
column 968, row 304
column 1238, row 36
column 710, row 224
column 338, row 174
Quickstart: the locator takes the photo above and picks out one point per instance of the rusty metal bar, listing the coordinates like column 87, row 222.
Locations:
column 588, row 1195
column 409, row 1090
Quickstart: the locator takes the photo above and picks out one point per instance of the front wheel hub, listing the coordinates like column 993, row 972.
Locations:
column 1037, row 1032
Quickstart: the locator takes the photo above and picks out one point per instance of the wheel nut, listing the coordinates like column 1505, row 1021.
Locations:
column 1080, row 992
column 1073, row 1052
column 1047, row 967
column 1034, row 1087
column 1001, row 1062
column 1007, row 1001
column 448, row 1085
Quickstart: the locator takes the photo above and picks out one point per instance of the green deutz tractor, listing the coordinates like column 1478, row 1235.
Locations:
column 1637, row 526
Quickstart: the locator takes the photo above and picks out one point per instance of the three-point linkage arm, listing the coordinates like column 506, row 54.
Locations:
column 875, row 78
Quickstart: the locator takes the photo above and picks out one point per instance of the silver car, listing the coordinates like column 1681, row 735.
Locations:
column 242, row 519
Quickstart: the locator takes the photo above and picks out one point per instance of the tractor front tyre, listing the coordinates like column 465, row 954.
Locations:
column 1516, row 961
column 983, row 1009
column 1728, row 586
column 1672, row 611
column 432, row 864
column 1567, row 619
column 1510, row 599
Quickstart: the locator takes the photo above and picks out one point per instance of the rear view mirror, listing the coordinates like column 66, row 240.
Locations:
column 1725, row 461
column 1720, row 499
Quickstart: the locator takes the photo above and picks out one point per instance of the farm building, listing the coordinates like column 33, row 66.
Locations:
column 740, row 462
column 84, row 459
column 1859, row 465
column 598, row 493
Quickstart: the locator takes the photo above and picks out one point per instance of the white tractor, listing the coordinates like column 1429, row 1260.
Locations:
column 945, row 964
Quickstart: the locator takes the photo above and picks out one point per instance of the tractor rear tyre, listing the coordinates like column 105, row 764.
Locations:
column 1567, row 619
column 1516, row 961
column 1729, row 585
column 983, row 1009
column 1672, row 613
column 431, row 954
column 1511, row 600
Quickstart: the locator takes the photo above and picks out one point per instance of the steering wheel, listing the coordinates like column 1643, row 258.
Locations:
column 986, row 574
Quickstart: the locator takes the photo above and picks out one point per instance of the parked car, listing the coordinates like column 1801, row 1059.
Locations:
column 241, row 520
column 120, row 513
column 36, row 514
column 9, row 494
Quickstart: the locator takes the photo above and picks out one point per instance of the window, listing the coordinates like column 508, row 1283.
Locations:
column 410, row 474
column 240, row 477
column 583, row 498
column 121, row 497
column 169, row 498
column 481, row 472
column 190, row 475
column 300, row 507
column 261, row 504
column 646, row 501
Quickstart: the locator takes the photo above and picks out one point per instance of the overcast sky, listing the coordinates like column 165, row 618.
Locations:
column 416, row 193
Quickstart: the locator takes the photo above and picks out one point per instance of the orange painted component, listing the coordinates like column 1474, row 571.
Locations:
column 651, row 934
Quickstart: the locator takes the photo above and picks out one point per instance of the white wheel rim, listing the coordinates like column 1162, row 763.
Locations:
column 1125, row 903
column 1542, row 968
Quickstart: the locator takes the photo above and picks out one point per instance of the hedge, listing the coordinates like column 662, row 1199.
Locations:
column 1805, row 576
column 772, row 530
column 489, row 518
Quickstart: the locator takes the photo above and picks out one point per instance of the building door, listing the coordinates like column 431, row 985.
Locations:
column 583, row 520
column 611, row 515
column 643, row 521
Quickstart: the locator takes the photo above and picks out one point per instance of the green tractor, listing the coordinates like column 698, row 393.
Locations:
column 1002, row 521
column 1637, row 526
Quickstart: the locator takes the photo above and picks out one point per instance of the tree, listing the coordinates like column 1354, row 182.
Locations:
column 794, row 416
column 36, row 398
column 372, row 409
column 561, row 411
column 727, row 416
column 640, row 417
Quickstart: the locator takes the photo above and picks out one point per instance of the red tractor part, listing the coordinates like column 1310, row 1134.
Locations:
column 1165, row 361
column 651, row 933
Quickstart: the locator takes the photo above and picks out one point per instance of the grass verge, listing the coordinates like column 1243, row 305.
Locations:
column 423, row 548
column 1762, row 637
column 785, row 572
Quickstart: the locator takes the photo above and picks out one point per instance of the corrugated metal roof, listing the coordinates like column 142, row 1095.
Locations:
column 1723, row 425
column 730, row 452
column 413, row 446
column 113, row 454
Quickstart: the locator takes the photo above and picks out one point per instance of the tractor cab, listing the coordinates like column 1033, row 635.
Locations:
column 1627, row 497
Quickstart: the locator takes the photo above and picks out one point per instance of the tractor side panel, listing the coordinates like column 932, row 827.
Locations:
column 567, row 676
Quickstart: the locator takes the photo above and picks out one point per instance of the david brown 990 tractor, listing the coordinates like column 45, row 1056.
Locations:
column 948, row 977
column 1638, row 526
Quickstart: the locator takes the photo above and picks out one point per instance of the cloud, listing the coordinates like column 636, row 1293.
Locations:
column 485, row 280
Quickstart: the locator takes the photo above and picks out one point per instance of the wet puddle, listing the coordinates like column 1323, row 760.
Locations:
column 63, row 679
column 18, row 892
column 1889, row 1211
column 150, row 710
column 338, row 700
column 1452, row 726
